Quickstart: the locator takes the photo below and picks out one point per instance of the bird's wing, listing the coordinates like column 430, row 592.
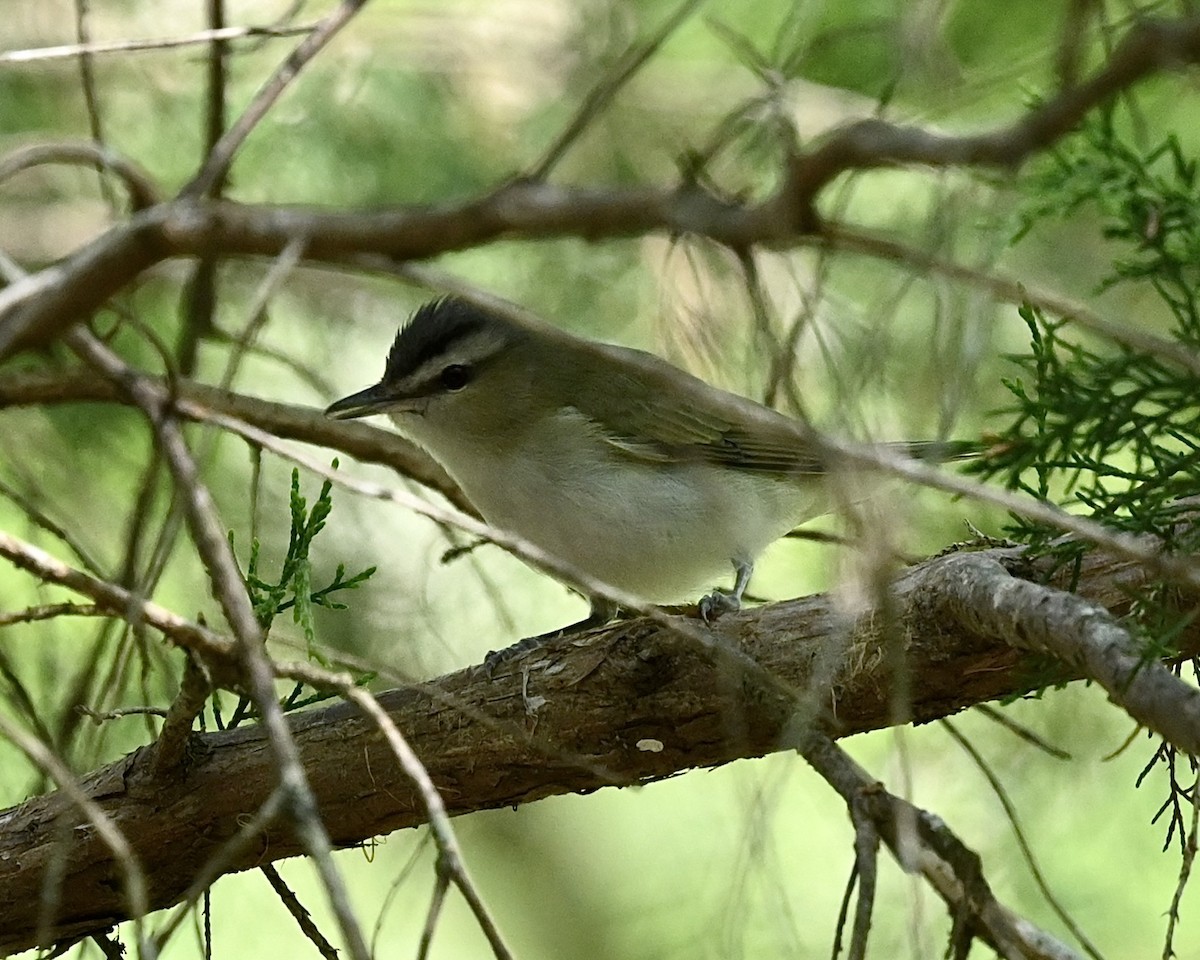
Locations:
column 655, row 412
column 658, row 413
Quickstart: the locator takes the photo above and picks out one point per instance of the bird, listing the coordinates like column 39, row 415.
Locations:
column 633, row 471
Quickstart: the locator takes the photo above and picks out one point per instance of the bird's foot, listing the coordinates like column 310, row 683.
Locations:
column 721, row 602
column 717, row 604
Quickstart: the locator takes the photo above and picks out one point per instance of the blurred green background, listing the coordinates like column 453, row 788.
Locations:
column 420, row 102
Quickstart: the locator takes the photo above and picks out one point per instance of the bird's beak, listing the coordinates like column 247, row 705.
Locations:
column 374, row 399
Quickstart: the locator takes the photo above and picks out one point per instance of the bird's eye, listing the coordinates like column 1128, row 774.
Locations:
column 456, row 376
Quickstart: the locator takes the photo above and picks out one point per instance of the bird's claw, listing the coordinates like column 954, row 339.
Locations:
column 717, row 604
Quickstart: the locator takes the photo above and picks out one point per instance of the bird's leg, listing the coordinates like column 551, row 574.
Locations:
column 720, row 601
column 601, row 613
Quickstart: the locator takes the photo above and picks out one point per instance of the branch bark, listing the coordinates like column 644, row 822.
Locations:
column 629, row 704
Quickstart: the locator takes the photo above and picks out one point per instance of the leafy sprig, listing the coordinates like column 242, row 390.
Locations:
column 292, row 589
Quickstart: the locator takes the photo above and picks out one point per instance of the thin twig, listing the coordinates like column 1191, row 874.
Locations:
column 200, row 402
column 1148, row 46
column 117, row 600
column 1026, row 850
column 441, row 883
column 866, row 856
column 302, row 917
column 1008, row 290
column 98, row 48
column 281, row 268
column 217, row 165
column 209, row 538
column 143, row 191
column 200, row 288
column 87, row 79
column 1008, row 723
column 100, row 717
column 844, row 910
column 43, row 520
column 602, row 94
column 170, row 749
column 450, row 859
column 49, row 611
column 385, row 908
column 932, row 850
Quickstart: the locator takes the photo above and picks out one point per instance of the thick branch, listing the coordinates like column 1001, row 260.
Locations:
column 287, row 421
column 1149, row 46
column 36, row 310
column 629, row 704
column 1033, row 617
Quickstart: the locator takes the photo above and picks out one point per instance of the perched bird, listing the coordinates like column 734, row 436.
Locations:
column 635, row 472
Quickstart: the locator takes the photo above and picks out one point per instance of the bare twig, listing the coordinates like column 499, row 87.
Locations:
column 932, row 850
column 200, row 288
column 441, row 883
column 221, row 156
column 98, row 48
column 199, row 402
column 451, row 867
column 998, row 716
column 213, row 648
column 49, row 611
column 602, row 94
column 983, row 596
column 87, row 79
column 385, row 908
column 1009, row 290
column 844, row 910
column 170, row 748
column 143, row 191
column 217, row 556
column 1149, row 45
column 120, row 712
column 281, row 268
column 1026, row 851
column 43, row 520
column 866, row 855
column 302, row 917
column 1144, row 550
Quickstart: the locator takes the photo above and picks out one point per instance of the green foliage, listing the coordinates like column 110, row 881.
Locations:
column 1108, row 430
column 293, row 589
column 1111, row 431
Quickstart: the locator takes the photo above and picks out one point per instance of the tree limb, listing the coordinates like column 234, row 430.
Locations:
column 631, row 703
column 36, row 310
